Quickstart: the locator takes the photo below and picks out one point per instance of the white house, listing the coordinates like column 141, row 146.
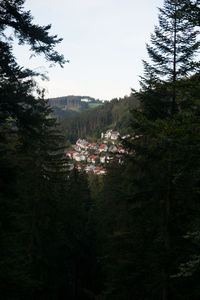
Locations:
column 93, row 158
column 108, row 158
column 79, row 157
column 112, row 149
column 103, row 147
column 83, row 144
column 102, row 159
column 114, row 135
column 85, row 100
column 108, row 134
column 126, row 136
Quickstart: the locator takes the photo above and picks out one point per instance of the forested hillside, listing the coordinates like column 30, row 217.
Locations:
column 115, row 114
column 68, row 105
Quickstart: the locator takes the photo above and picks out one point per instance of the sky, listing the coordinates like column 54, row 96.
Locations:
column 103, row 39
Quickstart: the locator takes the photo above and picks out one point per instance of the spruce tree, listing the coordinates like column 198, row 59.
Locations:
column 191, row 11
column 172, row 51
column 168, row 98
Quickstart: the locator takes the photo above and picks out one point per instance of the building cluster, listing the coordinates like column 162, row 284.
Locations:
column 92, row 157
column 110, row 134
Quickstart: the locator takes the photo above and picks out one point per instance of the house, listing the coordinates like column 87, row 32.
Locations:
column 76, row 148
column 102, row 171
column 85, row 100
column 83, row 144
column 93, row 158
column 114, row 135
column 67, row 153
column 73, row 153
column 108, row 134
column 79, row 157
column 102, row 159
column 70, row 154
column 108, row 158
column 93, row 146
column 103, row 147
column 121, row 150
column 105, row 159
column 99, row 171
column 112, row 149
column 80, row 167
column 89, row 168
column 126, row 136
column 85, row 153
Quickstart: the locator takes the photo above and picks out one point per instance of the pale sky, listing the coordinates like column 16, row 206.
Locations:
column 103, row 39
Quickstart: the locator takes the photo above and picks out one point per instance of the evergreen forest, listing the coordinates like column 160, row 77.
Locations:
column 69, row 105
column 132, row 234
column 114, row 114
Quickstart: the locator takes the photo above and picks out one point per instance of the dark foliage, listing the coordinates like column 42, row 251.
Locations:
column 115, row 113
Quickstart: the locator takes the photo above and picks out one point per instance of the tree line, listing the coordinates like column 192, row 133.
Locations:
column 115, row 114
column 68, row 105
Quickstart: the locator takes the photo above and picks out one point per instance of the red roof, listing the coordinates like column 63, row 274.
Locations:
column 70, row 152
column 93, row 156
column 102, row 146
column 99, row 168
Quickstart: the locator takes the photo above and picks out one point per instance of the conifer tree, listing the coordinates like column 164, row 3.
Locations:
column 167, row 98
column 191, row 11
column 30, row 162
column 172, row 52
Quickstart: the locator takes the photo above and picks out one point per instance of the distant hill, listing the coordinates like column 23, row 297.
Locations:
column 114, row 114
column 69, row 105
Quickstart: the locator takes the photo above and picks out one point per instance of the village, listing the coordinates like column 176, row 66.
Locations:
column 93, row 157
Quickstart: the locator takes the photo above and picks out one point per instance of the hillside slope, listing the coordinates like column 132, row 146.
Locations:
column 69, row 105
column 114, row 114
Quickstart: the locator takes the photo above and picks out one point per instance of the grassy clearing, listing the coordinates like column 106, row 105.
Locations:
column 93, row 105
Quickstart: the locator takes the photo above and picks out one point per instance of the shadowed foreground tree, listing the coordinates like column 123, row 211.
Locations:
column 33, row 179
column 172, row 51
column 158, row 184
column 47, row 235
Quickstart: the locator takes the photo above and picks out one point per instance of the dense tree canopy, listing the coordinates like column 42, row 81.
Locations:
column 150, row 249
column 37, row 255
column 91, row 123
